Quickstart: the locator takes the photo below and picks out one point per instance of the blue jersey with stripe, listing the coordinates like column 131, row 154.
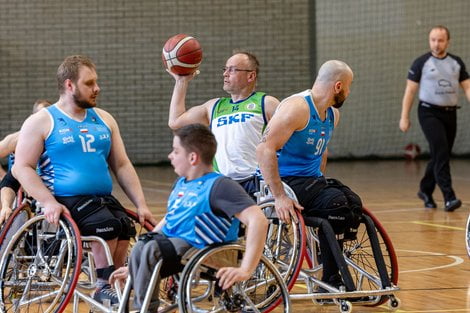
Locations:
column 302, row 153
column 75, row 155
column 191, row 218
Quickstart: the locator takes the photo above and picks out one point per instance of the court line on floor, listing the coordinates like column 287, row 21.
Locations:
column 378, row 211
column 457, row 261
column 437, row 225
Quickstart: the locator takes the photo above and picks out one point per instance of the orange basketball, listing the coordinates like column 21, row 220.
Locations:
column 182, row 54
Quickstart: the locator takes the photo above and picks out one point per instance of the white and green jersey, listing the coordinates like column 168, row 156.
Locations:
column 238, row 127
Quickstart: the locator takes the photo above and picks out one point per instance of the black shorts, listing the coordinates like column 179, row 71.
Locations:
column 101, row 216
column 10, row 181
column 322, row 200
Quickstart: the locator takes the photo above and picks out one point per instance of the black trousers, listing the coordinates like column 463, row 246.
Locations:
column 439, row 127
column 307, row 189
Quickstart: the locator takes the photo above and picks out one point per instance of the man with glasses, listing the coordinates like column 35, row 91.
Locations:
column 237, row 121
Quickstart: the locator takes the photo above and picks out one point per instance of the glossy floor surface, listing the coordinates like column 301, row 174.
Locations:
column 430, row 243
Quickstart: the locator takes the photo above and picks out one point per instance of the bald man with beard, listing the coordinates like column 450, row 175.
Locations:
column 294, row 150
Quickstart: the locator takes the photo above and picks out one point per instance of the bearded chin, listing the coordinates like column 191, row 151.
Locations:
column 339, row 100
column 338, row 105
column 82, row 103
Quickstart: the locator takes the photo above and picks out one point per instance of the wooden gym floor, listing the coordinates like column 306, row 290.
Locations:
column 434, row 267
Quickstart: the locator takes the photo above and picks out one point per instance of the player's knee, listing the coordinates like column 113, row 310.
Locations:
column 332, row 205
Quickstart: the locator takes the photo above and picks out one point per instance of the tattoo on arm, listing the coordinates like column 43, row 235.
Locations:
column 266, row 132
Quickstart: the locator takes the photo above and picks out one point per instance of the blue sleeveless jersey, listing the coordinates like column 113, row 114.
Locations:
column 190, row 216
column 302, row 153
column 75, row 155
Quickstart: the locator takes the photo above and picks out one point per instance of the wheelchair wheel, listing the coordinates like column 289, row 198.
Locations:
column 285, row 244
column 363, row 265
column 467, row 236
column 18, row 218
column 40, row 266
column 199, row 290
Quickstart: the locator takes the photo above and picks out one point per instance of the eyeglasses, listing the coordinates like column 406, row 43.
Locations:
column 233, row 69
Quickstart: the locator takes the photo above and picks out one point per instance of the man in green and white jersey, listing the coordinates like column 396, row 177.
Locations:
column 237, row 121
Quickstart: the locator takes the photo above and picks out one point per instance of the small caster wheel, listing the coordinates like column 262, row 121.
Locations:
column 393, row 303
column 345, row 306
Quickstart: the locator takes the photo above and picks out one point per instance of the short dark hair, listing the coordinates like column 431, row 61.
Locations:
column 443, row 28
column 70, row 67
column 198, row 138
column 254, row 63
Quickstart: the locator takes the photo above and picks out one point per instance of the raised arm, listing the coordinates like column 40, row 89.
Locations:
column 125, row 173
column 178, row 115
column 292, row 115
column 408, row 98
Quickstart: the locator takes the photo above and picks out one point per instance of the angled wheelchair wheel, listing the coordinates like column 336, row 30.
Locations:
column 40, row 266
column 373, row 266
column 285, row 243
column 199, row 292
column 18, row 218
column 467, row 236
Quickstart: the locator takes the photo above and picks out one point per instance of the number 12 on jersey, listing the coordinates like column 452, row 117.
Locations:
column 87, row 140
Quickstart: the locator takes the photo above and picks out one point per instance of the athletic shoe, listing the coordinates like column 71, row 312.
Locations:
column 106, row 294
column 453, row 205
column 428, row 200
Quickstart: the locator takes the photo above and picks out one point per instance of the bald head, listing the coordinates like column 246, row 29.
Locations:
column 332, row 83
column 334, row 70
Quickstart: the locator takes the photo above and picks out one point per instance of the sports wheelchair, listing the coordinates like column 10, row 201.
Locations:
column 44, row 266
column 367, row 264
column 467, row 235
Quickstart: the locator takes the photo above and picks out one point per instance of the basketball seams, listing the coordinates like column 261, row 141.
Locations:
column 182, row 54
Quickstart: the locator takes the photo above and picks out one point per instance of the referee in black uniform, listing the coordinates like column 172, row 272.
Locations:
column 437, row 74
